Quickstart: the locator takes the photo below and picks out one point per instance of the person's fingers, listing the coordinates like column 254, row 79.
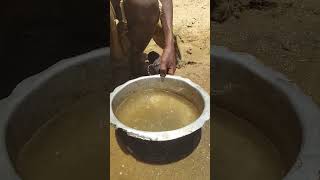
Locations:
column 163, row 73
column 163, row 69
column 174, row 68
column 171, row 71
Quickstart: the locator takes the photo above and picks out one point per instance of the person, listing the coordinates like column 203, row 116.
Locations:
column 133, row 24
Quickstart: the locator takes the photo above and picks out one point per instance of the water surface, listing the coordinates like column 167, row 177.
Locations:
column 156, row 110
column 72, row 146
column 241, row 151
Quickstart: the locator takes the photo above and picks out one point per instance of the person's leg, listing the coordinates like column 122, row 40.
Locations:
column 119, row 59
column 142, row 17
column 117, row 51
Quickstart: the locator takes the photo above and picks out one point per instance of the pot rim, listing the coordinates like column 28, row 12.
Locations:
column 163, row 135
column 9, row 104
column 308, row 160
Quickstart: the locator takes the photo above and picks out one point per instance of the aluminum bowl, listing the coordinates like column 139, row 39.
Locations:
column 175, row 84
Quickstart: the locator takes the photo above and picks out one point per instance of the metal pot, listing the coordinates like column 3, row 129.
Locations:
column 38, row 98
column 273, row 104
column 181, row 86
column 293, row 126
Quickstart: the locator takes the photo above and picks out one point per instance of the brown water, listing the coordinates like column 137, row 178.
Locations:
column 156, row 110
column 72, row 146
column 242, row 152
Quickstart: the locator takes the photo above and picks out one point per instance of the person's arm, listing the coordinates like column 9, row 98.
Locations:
column 168, row 59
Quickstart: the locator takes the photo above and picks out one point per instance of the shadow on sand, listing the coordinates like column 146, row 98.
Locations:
column 158, row 152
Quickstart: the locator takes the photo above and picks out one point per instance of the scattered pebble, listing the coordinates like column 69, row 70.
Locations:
column 120, row 173
column 191, row 62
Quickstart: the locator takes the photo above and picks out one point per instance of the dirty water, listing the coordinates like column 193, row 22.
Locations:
column 72, row 146
column 241, row 151
column 156, row 110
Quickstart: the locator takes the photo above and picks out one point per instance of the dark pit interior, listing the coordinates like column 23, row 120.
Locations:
column 37, row 34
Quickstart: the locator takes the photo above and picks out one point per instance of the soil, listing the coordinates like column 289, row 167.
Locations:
column 285, row 37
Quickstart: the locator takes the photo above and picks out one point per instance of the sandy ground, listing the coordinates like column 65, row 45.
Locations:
column 285, row 38
column 192, row 26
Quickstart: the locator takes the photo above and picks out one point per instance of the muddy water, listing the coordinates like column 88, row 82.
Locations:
column 156, row 110
column 72, row 146
column 242, row 152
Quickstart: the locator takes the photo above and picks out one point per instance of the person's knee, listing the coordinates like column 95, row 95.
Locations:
column 142, row 11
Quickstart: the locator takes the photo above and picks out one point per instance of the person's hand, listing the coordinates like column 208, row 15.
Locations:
column 168, row 61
